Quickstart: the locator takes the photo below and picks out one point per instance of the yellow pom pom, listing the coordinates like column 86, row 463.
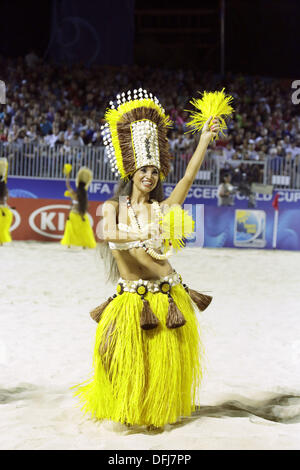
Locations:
column 67, row 168
column 67, row 194
column 215, row 104
column 176, row 224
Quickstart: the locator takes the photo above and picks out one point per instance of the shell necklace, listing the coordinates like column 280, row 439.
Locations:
column 135, row 222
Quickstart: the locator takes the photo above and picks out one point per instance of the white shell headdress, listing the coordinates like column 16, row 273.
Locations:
column 135, row 133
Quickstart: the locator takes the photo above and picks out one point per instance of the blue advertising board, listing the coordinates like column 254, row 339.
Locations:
column 237, row 226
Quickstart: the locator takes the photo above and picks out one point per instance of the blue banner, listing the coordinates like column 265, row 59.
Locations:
column 251, row 228
column 42, row 188
column 102, row 190
column 237, row 226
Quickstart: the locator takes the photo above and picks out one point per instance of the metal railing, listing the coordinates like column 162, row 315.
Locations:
column 44, row 161
column 283, row 173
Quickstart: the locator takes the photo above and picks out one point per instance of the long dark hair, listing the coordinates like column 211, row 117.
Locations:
column 3, row 189
column 124, row 188
column 82, row 199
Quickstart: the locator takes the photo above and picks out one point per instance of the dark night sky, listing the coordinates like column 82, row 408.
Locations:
column 24, row 25
column 262, row 37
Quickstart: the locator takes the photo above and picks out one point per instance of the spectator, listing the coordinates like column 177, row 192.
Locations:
column 32, row 134
column 68, row 135
column 45, row 125
column 293, row 148
column 76, row 140
column 234, row 162
column 54, row 104
column 225, row 192
column 288, row 164
column 53, row 136
column 252, row 153
column 229, row 151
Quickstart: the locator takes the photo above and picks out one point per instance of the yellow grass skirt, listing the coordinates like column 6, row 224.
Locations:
column 78, row 231
column 6, row 217
column 144, row 377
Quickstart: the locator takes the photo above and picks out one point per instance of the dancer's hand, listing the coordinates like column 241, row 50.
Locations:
column 210, row 129
column 67, row 169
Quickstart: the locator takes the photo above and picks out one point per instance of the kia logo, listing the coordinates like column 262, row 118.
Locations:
column 48, row 220
column 17, row 220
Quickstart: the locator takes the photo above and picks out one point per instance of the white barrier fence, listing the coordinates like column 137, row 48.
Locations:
column 43, row 161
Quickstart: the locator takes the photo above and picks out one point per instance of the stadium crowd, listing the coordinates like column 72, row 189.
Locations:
column 63, row 107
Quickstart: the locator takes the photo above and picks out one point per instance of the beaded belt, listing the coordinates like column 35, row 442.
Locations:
column 175, row 318
column 142, row 286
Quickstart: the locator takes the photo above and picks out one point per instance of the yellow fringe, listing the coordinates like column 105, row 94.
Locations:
column 176, row 224
column 6, row 217
column 215, row 104
column 144, row 377
column 4, row 168
column 78, row 232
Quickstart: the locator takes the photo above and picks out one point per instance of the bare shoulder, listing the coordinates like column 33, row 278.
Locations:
column 112, row 203
column 111, row 206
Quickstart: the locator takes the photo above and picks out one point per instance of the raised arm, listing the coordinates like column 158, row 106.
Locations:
column 72, row 192
column 182, row 188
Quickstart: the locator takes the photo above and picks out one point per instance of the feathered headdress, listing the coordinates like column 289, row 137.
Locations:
column 135, row 134
column 3, row 169
column 84, row 175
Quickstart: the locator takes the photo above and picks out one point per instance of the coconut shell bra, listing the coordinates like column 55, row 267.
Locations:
column 148, row 245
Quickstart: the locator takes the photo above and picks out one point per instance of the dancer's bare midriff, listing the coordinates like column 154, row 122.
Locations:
column 137, row 264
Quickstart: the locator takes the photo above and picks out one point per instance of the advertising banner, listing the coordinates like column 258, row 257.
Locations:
column 40, row 211
column 251, row 228
column 102, row 190
column 43, row 188
column 44, row 219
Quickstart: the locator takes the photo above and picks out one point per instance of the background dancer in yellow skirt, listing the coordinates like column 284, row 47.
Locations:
column 148, row 355
column 6, row 215
column 78, row 230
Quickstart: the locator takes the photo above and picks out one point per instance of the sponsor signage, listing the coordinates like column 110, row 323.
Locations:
column 42, row 219
column 43, row 188
column 50, row 220
column 250, row 228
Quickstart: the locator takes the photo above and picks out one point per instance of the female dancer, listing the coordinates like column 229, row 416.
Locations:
column 6, row 214
column 78, row 231
column 148, row 354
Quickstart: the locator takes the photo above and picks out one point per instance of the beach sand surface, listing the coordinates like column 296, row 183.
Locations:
column 250, row 395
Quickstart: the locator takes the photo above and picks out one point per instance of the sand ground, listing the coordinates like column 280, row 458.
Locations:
column 250, row 396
